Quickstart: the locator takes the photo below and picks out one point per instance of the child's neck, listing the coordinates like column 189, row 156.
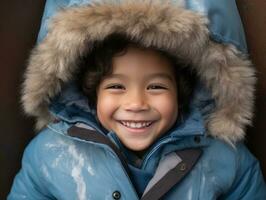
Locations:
column 139, row 154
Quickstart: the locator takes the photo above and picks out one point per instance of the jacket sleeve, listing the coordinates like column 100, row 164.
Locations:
column 249, row 182
column 29, row 183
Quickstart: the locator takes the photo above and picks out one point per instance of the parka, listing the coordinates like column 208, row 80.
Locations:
column 202, row 157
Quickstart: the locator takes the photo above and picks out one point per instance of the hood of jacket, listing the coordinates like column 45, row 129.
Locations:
column 182, row 31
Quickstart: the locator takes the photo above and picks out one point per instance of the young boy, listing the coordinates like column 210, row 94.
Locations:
column 137, row 103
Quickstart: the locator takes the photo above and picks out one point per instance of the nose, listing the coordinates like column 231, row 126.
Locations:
column 136, row 101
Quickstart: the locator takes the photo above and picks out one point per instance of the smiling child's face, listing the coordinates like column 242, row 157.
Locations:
column 138, row 100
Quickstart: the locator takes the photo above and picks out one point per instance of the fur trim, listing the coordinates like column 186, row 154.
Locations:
column 226, row 73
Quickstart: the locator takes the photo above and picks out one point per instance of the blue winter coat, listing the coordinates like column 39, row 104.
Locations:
column 201, row 157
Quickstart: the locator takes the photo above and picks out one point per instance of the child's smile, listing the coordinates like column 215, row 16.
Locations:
column 137, row 127
column 136, row 124
column 138, row 100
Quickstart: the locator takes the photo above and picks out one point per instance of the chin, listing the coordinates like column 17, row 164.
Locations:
column 135, row 147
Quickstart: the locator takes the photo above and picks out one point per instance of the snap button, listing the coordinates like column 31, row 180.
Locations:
column 116, row 195
column 183, row 167
column 197, row 139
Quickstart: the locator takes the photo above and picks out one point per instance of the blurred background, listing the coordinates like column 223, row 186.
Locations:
column 19, row 26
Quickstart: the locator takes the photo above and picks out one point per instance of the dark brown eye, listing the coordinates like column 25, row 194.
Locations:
column 156, row 87
column 116, row 87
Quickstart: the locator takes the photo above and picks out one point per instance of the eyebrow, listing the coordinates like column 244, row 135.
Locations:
column 161, row 75
column 155, row 75
column 115, row 76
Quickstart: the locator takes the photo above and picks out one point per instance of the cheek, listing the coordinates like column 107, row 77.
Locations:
column 106, row 107
column 168, row 108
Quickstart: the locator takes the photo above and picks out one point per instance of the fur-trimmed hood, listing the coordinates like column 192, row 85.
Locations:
column 224, row 71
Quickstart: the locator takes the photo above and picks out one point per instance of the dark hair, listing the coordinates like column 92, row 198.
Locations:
column 98, row 64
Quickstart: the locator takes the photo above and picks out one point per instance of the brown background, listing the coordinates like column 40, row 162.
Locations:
column 254, row 19
column 19, row 25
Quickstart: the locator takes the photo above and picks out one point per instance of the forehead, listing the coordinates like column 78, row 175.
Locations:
column 142, row 61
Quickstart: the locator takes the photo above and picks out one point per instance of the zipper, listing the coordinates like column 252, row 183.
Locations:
column 125, row 172
column 162, row 142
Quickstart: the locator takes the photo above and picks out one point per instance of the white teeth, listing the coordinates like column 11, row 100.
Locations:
column 136, row 124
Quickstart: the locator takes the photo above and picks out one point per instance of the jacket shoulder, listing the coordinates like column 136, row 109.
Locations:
column 238, row 153
column 44, row 142
column 239, row 169
column 32, row 179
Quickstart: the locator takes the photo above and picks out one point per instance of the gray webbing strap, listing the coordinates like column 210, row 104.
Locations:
column 189, row 158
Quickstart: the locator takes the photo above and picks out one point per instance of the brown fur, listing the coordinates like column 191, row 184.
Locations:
column 226, row 73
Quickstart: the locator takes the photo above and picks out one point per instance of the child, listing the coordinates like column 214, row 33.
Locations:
column 136, row 102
